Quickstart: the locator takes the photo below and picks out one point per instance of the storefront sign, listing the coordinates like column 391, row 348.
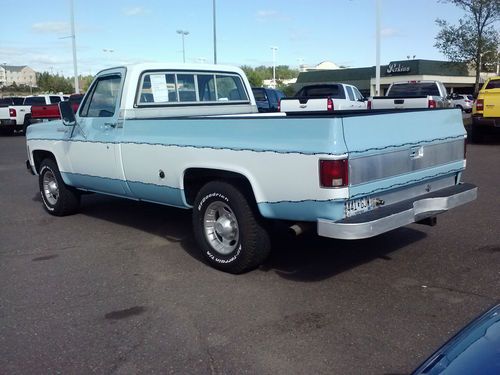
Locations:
column 397, row 68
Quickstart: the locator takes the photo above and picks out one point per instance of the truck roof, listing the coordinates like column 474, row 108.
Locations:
column 140, row 67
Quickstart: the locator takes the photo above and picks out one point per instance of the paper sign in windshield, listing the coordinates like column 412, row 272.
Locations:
column 159, row 87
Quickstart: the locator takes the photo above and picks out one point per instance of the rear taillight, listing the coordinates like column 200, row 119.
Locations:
column 369, row 104
column 479, row 105
column 432, row 104
column 333, row 173
column 12, row 112
column 279, row 105
column 329, row 104
column 465, row 148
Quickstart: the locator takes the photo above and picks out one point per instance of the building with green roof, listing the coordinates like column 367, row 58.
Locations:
column 455, row 76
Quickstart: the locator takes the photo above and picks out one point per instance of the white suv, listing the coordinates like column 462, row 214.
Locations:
column 462, row 101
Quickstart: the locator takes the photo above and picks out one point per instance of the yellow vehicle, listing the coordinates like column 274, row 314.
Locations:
column 486, row 110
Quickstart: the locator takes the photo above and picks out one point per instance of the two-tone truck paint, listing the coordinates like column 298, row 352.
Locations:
column 189, row 136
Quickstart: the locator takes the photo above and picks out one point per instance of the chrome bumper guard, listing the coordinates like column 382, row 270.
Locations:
column 384, row 219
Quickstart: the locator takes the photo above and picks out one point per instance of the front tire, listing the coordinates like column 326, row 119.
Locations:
column 58, row 198
column 228, row 229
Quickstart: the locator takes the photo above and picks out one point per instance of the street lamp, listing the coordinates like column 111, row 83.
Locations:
column 215, row 34
column 183, row 33
column 274, row 49
column 108, row 52
column 73, row 40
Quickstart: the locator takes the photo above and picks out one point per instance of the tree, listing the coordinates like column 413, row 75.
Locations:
column 254, row 77
column 474, row 40
column 260, row 73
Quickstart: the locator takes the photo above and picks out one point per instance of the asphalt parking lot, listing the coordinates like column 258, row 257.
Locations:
column 119, row 288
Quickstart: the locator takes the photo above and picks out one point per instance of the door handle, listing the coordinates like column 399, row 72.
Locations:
column 108, row 125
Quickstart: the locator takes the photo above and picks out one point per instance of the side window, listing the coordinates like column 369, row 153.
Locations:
column 350, row 93
column 185, row 85
column 54, row 99
column 357, row 94
column 161, row 88
column 206, row 88
column 230, row 88
column 273, row 98
column 158, row 88
column 103, row 99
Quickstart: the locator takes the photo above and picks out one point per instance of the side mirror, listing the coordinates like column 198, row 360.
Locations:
column 67, row 114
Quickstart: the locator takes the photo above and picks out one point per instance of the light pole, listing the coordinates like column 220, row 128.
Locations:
column 215, row 35
column 183, row 34
column 377, row 48
column 109, row 52
column 73, row 39
column 274, row 49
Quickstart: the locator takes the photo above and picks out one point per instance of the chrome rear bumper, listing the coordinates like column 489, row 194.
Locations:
column 384, row 219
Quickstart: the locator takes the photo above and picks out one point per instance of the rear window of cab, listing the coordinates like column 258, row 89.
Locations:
column 174, row 88
column 493, row 84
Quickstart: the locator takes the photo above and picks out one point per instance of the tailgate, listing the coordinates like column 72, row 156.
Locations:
column 4, row 113
column 400, row 103
column 303, row 105
column 398, row 150
column 50, row 111
column 491, row 103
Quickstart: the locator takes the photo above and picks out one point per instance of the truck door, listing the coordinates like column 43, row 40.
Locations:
column 93, row 148
column 360, row 100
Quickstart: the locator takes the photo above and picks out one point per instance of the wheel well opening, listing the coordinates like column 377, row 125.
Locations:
column 39, row 156
column 195, row 178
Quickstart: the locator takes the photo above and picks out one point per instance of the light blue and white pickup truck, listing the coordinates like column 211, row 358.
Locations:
column 190, row 136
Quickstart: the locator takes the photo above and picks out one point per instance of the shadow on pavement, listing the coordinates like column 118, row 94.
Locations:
column 307, row 258
column 312, row 258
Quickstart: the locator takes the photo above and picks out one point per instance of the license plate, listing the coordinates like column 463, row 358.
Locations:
column 358, row 206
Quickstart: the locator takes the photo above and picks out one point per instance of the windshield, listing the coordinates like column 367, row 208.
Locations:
column 493, row 84
column 34, row 100
column 259, row 94
column 405, row 90
column 322, row 91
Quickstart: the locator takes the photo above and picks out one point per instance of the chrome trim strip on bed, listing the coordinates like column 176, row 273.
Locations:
column 375, row 167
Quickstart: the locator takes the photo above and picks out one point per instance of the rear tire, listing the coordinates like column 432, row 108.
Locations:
column 26, row 123
column 228, row 229
column 58, row 198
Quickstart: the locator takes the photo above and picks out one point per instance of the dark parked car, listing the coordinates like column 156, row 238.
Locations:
column 267, row 100
column 473, row 350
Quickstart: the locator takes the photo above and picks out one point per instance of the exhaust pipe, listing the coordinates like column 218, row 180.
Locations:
column 299, row 228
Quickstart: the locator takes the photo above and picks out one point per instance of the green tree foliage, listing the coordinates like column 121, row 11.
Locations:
column 85, row 82
column 260, row 73
column 254, row 78
column 474, row 39
column 54, row 83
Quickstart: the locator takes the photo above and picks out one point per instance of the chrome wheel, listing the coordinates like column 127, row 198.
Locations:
column 50, row 188
column 221, row 227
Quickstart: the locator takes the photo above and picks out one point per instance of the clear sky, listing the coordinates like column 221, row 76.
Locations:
column 305, row 31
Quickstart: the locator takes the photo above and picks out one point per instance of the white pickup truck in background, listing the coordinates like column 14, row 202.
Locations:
column 18, row 116
column 412, row 95
column 324, row 98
